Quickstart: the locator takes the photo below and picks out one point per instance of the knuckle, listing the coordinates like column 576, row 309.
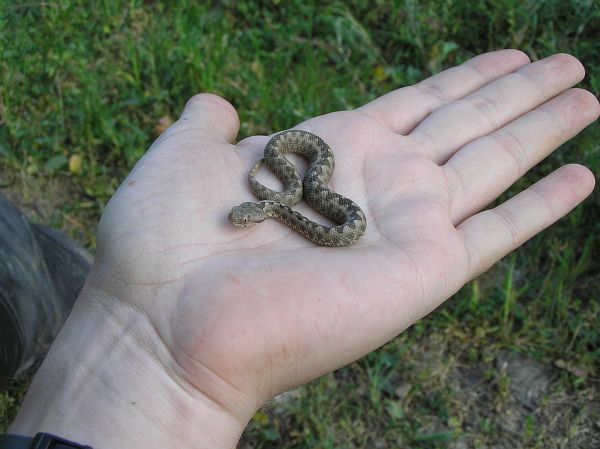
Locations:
column 509, row 223
column 512, row 145
column 433, row 91
column 488, row 108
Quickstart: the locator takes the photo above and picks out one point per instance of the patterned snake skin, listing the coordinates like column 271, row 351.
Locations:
column 350, row 218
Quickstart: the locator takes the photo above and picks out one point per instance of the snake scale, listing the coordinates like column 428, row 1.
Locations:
column 350, row 219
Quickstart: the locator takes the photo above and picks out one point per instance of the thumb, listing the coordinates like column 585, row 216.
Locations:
column 212, row 115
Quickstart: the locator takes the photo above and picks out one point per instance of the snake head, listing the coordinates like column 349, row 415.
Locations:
column 247, row 214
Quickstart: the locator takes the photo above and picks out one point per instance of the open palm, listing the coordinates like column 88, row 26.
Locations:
column 247, row 313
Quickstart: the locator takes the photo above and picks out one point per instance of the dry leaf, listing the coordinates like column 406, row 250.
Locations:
column 75, row 164
column 163, row 123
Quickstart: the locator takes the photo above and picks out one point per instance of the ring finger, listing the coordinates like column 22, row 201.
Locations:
column 480, row 171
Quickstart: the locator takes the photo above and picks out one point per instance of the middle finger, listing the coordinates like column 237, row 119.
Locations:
column 491, row 107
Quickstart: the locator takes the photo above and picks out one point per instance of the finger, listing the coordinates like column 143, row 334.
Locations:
column 402, row 109
column 479, row 172
column 495, row 104
column 211, row 116
column 492, row 234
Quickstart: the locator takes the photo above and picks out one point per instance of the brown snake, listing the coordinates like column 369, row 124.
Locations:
column 350, row 219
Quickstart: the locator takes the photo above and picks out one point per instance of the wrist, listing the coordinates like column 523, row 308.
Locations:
column 105, row 384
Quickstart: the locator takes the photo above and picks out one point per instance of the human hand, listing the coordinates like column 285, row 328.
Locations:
column 238, row 316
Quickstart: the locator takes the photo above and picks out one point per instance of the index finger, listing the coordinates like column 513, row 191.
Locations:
column 403, row 109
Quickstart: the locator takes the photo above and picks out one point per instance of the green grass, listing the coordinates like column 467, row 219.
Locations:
column 94, row 81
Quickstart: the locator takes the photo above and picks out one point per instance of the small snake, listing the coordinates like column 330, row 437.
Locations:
column 278, row 205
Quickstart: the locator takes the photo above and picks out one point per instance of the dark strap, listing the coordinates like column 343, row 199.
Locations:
column 40, row 441
column 15, row 442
